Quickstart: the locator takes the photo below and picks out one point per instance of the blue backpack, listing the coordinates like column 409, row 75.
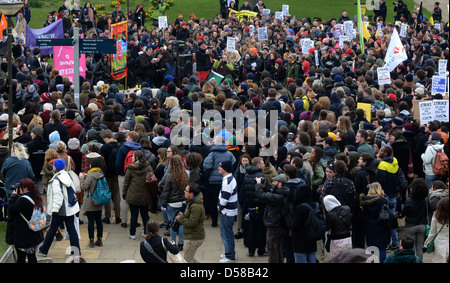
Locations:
column 102, row 194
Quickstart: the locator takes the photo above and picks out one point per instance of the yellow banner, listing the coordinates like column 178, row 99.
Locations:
column 240, row 14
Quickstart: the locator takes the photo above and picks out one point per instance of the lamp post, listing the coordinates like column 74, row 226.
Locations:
column 9, row 8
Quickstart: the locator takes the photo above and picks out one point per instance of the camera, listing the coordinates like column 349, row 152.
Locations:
column 174, row 224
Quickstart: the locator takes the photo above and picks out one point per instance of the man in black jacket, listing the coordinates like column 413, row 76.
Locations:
column 274, row 199
column 255, row 207
column 147, row 66
column 36, row 149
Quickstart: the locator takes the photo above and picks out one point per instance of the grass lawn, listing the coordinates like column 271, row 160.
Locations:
column 326, row 9
column 3, row 245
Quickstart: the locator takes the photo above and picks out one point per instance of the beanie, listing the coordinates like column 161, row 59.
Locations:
column 59, row 164
column 256, row 101
column 436, row 136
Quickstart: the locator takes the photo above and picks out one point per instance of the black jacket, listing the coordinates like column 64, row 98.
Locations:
column 17, row 231
column 251, row 200
column 36, row 151
column 60, row 128
column 339, row 222
column 156, row 244
column 274, row 200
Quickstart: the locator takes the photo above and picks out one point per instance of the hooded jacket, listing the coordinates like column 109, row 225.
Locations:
column 338, row 218
column 388, row 176
column 217, row 154
column 57, row 200
column 193, row 219
column 429, row 156
column 134, row 183
column 251, row 200
column 73, row 128
column 88, row 185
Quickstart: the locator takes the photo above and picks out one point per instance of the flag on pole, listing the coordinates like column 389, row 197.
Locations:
column 432, row 21
column 419, row 17
column 366, row 32
column 395, row 53
column 360, row 27
column 3, row 26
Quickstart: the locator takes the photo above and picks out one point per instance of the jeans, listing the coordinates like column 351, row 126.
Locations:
column 394, row 232
column 171, row 211
column 227, row 235
column 429, row 179
column 166, row 219
column 134, row 211
column 95, row 218
column 305, row 257
column 56, row 221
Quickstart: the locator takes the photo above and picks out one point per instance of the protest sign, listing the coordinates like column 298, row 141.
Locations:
column 162, row 22
column 426, row 112
column 231, row 44
column 367, row 109
column 442, row 67
column 262, row 34
column 441, row 111
column 403, row 30
column 63, row 61
column 438, row 85
column 54, row 30
column 384, row 77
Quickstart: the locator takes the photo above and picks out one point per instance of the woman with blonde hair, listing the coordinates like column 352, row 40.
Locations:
column 61, row 149
column 176, row 179
column 16, row 167
column 345, row 125
column 376, row 234
column 47, row 169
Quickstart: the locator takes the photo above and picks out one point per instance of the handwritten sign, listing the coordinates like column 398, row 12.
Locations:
column 426, row 112
column 442, row 67
column 262, row 34
column 162, row 22
column 231, row 44
column 384, row 77
column 403, row 30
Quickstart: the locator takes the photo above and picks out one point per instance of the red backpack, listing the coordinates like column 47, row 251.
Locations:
column 128, row 160
column 440, row 166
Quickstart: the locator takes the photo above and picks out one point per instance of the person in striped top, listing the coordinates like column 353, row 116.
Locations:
column 227, row 207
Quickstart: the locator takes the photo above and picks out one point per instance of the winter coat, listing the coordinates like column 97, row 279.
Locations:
column 57, row 200
column 60, row 128
column 88, row 185
column 14, row 170
column 339, row 222
column 415, row 212
column 274, row 200
column 36, row 154
column 17, row 231
column 217, row 154
column 387, row 175
column 441, row 243
column 134, row 186
column 429, row 156
column 300, row 242
column 73, row 128
column 155, row 242
column 251, row 200
column 361, row 180
column 171, row 193
column 401, row 150
column 193, row 219
column 403, row 256
column 376, row 234
column 123, row 151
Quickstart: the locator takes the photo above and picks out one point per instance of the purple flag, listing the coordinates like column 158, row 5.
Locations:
column 54, row 30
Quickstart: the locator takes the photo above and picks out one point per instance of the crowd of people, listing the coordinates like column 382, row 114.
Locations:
column 328, row 152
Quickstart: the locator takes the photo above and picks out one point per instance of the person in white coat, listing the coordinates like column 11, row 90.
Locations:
column 439, row 226
column 428, row 157
column 60, row 209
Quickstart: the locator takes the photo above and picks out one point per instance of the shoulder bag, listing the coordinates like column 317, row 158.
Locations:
column 430, row 246
column 150, row 249
column 174, row 258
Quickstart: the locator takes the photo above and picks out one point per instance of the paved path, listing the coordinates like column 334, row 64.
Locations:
column 429, row 5
column 117, row 247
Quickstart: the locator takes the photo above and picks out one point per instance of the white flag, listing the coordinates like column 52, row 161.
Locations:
column 395, row 53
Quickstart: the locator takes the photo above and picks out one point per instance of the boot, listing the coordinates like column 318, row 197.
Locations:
column 99, row 242
column 91, row 242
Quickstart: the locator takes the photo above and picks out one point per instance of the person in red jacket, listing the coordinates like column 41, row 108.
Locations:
column 72, row 126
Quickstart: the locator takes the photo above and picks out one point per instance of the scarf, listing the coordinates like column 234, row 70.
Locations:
column 95, row 169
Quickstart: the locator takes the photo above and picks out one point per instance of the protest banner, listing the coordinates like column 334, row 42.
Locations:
column 442, row 67
column 426, row 112
column 162, row 22
column 63, row 61
column 54, row 30
column 262, row 34
column 384, row 77
column 441, row 111
column 367, row 109
column 438, row 85
column 119, row 32
column 231, row 44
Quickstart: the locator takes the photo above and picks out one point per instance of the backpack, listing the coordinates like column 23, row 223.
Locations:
column 289, row 212
column 440, row 166
column 315, row 225
column 128, row 160
column 102, row 194
column 38, row 218
column 387, row 218
column 72, row 198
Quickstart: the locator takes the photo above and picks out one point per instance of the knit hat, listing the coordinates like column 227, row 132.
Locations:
column 380, row 136
column 279, row 61
column 254, row 51
column 226, row 165
column 306, row 115
column 139, row 119
column 73, row 143
column 46, row 96
column 397, row 121
column 436, row 136
column 409, row 126
column 38, row 131
column 280, row 178
column 256, row 101
column 59, row 164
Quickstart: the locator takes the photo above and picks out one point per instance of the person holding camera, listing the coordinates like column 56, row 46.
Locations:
column 18, row 233
column 223, row 66
column 203, row 61
column 192, row 220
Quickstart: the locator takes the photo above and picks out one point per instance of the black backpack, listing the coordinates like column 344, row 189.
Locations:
column 315, row 225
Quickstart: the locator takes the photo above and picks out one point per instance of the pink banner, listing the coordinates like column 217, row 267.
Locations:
column 63, row 61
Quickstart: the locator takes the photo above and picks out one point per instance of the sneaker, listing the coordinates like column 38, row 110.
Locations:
column 132, row 237
column 40, row 253
column 226, row 260
column 249, row 254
